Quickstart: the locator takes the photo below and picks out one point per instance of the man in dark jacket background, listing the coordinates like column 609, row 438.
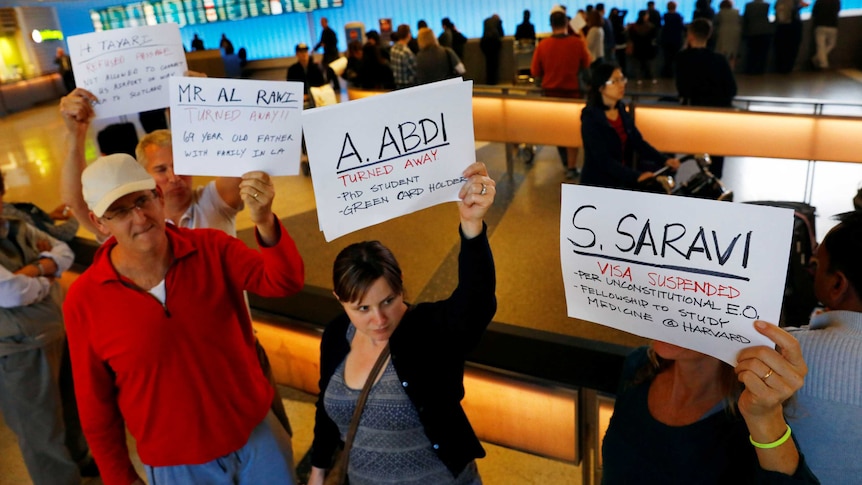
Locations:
column 704, row 77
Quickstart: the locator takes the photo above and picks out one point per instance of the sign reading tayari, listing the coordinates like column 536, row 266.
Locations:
column 128, row 69
column 692, row 272
column 231, row 126
column 384, row 156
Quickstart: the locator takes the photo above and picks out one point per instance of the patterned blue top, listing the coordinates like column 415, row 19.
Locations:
column 390, row 445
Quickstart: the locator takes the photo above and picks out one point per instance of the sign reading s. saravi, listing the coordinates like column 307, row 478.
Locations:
column 692, row 272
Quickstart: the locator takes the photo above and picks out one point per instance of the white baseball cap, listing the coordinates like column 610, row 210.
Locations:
column 111, row 177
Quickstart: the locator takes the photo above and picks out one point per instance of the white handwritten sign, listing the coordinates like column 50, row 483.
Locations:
column 231, row 126
column 692, row 272
column 384, row 156
column 128, row 69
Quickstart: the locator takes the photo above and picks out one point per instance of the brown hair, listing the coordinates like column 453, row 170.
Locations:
column 359, row 265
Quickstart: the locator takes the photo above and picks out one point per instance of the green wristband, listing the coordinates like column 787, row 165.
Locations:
column 774, row 444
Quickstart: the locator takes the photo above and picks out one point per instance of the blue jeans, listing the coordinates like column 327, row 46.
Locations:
column 267, row 457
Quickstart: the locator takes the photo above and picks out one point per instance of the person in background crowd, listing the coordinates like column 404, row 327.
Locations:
column 402, row 60
column 374, row 72
column 758, row 32
column 31, row 347
column 703, row 10
column 306, row 71
column 491, row 42
column 445, row 37
column 824, row 20
column 414, row 44
column 329, row 42
column 654, row 15
column 64, row 67
column 611, row 138
column 728, row 31
column 226, row 45
column 672, row 35
column 526, row 31
column 459, row 40
column 183, row 376
column 413, row 429
column 557, row 63
column 197, row 43
column 684, row 417
column 621, row 37
column 435, row 63
column 608, row 33
column 354, row 62
column 704, row 77
column 642, row 34
column 826, row 417
column 788, row 33
column 595, row 36
column 44, row 221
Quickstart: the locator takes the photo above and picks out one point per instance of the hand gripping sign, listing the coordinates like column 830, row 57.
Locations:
column 692, row 272
column 128, row 69
column 385, row 156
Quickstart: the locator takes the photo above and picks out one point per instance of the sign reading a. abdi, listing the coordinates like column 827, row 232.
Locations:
column 385, row 156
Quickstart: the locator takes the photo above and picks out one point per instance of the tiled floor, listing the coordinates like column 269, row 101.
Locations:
column 524, row 225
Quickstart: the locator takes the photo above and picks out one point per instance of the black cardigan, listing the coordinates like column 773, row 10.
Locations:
column 603, row 150
column 429, row 349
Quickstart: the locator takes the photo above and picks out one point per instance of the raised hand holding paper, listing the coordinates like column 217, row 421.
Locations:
column 692, row 272
column 381, row 157
column 128, row 69
column 229, row 127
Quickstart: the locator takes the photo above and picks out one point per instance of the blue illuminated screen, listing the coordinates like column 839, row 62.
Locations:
column 196, row 12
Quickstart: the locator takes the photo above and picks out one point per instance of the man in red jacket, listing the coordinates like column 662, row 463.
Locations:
column 161, row 340
column 557, row 61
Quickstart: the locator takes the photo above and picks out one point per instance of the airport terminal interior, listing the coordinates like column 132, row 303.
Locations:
column 523, row 227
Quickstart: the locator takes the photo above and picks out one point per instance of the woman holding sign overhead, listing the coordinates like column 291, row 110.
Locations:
column 683, row 417
column 612, row 142
column 411, row 429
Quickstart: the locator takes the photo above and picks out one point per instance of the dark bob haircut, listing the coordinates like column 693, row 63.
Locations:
column 599, row 75
column 359, row 265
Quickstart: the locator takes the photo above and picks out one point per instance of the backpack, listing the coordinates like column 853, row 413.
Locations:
column 799, row 299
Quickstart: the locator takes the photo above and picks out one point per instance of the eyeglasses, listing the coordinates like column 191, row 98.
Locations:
column 621, row 80
column 141, row 203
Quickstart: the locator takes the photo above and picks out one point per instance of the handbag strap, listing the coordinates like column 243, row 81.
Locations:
column 363, row 396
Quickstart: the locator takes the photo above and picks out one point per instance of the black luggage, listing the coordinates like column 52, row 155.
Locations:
column 799, row 299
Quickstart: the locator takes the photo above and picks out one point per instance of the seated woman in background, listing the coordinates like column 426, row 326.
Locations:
column 611, row 139
column 413, row 429
column 682, row 417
